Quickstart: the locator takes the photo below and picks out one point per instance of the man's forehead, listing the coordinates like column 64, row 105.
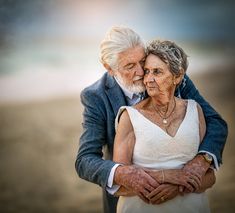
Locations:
column 132, row 56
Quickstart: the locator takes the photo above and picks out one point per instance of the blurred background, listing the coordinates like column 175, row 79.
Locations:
column 49, row 51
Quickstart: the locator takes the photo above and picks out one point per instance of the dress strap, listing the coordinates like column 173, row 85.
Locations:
column 120, row 111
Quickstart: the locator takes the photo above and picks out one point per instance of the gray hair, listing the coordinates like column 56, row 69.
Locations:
column 117, row 40
column 170, row 53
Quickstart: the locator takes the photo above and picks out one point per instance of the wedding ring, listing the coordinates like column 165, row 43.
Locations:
column 162, row 199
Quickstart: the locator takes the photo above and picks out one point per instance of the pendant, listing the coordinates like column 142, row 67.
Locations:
column 164, row 121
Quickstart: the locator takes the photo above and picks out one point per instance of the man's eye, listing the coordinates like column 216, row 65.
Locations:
column 142, row 63
column 130, row 66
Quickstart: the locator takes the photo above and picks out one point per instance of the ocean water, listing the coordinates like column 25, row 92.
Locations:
column 51, row 48
column 43, row 69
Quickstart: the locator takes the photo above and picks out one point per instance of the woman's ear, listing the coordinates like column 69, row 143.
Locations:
column 109, row 69
column 178, row 79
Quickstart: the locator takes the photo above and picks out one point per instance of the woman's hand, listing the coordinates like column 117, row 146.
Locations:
column 192, row 181
column 163, row 193
column 122, row 191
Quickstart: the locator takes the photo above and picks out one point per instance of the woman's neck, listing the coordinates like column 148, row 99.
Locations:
column 163, row 103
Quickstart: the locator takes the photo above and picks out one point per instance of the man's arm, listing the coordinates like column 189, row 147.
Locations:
column 89, row 163
column 216, row 127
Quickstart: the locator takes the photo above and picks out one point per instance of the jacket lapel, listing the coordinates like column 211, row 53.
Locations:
column 115, row 94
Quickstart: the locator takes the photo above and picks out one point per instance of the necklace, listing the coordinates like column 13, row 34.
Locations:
column 164, row 118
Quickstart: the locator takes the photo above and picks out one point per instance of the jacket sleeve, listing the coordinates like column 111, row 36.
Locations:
column 89, row 163
column 216, row 127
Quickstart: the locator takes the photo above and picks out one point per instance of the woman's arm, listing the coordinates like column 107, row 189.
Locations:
column 134, row 178
column 202, row 123
column 190, row 181
column 124, row 140
column 123, row 147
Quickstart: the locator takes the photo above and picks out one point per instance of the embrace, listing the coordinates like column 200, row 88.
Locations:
column 149, row 137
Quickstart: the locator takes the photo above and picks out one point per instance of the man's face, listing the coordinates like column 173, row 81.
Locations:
column 130, row 69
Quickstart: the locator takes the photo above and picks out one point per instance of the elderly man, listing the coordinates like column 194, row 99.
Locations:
column 123, row 56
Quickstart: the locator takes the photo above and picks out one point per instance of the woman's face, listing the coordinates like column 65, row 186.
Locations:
column 157, row 78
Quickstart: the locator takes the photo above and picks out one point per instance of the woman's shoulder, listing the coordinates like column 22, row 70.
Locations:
column 142, row 104
column 181, row 102
column 185, row 102
column 125, row 112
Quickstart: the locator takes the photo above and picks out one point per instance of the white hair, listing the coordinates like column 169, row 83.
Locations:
column 117, row 40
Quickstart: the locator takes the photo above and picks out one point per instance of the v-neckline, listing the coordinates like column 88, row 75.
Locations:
column 160, row 127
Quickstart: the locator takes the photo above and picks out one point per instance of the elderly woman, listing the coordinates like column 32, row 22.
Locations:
column 161, row 134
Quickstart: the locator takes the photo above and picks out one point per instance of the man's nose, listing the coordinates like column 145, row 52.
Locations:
column 139, row 70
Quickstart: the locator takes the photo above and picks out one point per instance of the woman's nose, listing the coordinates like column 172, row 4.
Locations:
column 150, row 78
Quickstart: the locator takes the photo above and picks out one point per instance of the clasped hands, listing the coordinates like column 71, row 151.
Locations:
column 153, row 186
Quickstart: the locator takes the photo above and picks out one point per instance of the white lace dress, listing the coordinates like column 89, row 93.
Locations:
column 155, row 149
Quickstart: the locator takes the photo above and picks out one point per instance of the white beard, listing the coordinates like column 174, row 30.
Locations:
column 132, row 88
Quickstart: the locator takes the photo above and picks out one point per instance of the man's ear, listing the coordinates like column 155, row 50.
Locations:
column 109, row 69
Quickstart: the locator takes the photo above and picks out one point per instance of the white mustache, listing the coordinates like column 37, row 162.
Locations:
column 137, row 78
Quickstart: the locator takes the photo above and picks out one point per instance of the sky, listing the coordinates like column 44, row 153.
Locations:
column 179, row 19
column 51, row 47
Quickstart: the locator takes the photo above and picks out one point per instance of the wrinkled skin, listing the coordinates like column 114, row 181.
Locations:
column 190, row 181
column 136, row 180
column 166, row 191
column 197, row 166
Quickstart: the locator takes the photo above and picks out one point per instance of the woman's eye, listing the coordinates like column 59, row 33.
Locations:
column 155, row 72
column 146, row 71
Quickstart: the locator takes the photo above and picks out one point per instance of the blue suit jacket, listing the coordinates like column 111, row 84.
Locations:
column 101, row 102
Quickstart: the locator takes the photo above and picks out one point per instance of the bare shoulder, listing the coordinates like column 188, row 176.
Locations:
column 124, row 117
column 124, row 129
column 200, row 111
column 142, row 104
column 199, row 107
column 124, row 122
column 181, row 102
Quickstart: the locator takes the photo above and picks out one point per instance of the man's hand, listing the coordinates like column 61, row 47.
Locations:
column 197, row 166
column 163, row 193
column 135, row 179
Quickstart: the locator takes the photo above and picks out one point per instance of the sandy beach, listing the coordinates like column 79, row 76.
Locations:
column 39, row 141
